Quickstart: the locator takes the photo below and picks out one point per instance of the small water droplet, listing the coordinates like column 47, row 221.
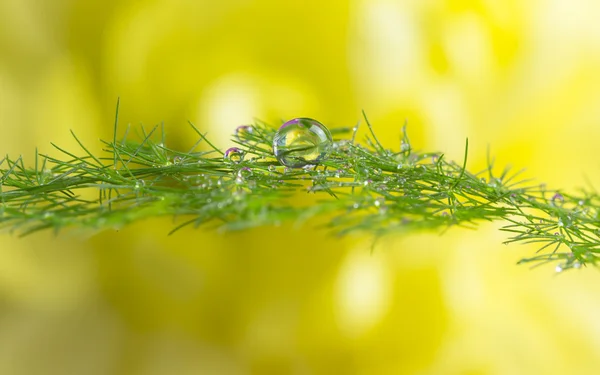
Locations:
column 272, row 168
column 377, row 171
column 379, row 201
column 234, row 154
column 404, row 147
column 243, row 132
column 302, row 141
column 557, row 198
column 581, row 202
column 242, row 175
column 483, row 180
column 399, row 166
column 245, row 172
column 559, row 268
column 367, row 182
column 355, row 205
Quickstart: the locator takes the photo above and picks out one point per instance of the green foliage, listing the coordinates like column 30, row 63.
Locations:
column 358, row 188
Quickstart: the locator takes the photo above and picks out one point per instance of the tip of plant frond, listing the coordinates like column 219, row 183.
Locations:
column 115, row 128
column 203, row 136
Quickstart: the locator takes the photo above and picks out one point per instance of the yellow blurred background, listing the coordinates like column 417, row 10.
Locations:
column 522, row 77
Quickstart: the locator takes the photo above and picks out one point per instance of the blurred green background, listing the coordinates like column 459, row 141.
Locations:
column 522, row 77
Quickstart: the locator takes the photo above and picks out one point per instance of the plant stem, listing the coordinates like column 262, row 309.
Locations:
column 359, row 188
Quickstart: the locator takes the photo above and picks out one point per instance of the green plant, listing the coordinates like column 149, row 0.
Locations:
column 357, row 188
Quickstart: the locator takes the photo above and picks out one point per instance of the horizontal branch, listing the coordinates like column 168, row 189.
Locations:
column 349, row 187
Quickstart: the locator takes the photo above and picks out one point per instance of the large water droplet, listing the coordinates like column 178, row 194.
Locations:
column 234, row 154
column 302, row 141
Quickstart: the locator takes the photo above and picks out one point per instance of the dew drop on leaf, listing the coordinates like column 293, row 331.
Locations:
column 558, row 198
column 558, row 269
column 245, row 172
column 243, row 132
column 234, row 154
column 302, row 141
